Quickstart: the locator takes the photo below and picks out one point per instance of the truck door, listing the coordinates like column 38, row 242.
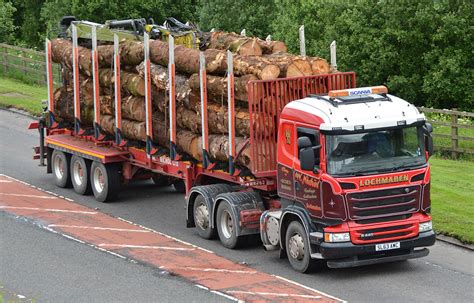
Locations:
column 306, row 183
column 285, row 159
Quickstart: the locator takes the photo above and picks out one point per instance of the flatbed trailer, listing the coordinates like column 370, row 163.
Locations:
column 291, row 194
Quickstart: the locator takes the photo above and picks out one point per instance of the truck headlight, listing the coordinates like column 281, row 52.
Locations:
column 337, row 237
column 425, row 226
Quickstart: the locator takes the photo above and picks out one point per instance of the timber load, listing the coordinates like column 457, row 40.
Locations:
column 254, row 59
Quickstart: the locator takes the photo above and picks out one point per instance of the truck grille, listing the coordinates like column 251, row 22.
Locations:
column 381, row 234
column 384, row 203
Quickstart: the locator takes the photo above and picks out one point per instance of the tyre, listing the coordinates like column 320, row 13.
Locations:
column 160, row 180
column 105, row 181
column 297, row 248
column 179, row 186
column 226, row 223
column 202, row 218
column 80, row 175
column 60, row 166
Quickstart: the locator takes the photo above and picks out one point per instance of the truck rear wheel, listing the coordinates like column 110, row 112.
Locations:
column 297, row 248
column 105, row 181
column 60, row 166
column 80, row 171
column 226, row 223
column 202, row 218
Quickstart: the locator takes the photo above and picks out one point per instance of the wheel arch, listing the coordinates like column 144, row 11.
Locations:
column 209, row 193
column 290, row 214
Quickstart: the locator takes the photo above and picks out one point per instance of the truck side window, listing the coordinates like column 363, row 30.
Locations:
column 312, row 134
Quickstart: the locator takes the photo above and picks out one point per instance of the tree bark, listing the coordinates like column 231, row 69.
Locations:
column 244, row 46
column 217, row 87
column 130, row 82
column 272, row 47
column 131, row 53
column 131, row 130
column 62, row 50
column 133, row 108
column 290, row 65
column 187, row 61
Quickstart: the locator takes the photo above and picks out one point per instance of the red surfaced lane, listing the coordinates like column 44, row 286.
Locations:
column 193, row 263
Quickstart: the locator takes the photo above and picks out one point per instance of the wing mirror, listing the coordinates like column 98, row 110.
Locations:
column 428, row 129
column 307, row 153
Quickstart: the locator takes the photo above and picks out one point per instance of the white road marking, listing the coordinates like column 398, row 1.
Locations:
column 219, row 270
column 226, row 296
column 28, row 196
column 308, row 288
column 144, row 246
column 271, row 294
column 50, row 209
column 99, row 228
column 6, row 181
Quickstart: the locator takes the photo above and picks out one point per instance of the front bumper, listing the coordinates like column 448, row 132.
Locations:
column 340, row 255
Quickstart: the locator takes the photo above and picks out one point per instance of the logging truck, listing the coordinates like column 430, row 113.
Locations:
column 335, row 173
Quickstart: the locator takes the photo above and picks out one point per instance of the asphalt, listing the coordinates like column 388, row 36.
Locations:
column 447, row 274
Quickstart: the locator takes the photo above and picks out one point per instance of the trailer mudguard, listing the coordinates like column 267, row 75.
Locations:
column 209, row 192
column 247, row 201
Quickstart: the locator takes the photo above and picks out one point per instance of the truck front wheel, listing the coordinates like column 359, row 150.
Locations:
column 80, row 169
column 60, row 166
column 105, row 181
column 297, row 248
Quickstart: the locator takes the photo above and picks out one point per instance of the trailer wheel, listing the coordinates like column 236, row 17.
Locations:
column 297, row 248
column 179, row 186
column 80, row 171
column 226, row 223
column 105, row 181
column 60, row 166
column 202, row 218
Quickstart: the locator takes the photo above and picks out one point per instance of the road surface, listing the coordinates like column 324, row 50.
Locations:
column 38, row 264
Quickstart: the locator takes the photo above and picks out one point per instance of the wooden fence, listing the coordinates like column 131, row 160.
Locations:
column 26, row 64
column 453, row 130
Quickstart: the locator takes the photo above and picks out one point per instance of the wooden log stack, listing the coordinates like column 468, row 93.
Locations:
column 254, row 59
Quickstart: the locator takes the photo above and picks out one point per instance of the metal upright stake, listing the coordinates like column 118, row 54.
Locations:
column 171, row 70
column 118, row 101
column 95, row 84
column 204, row 121
column 75, row 70
column 302, row 41
column 49, row 80
column 333, row 55
column 150, row 149
column 231, row 110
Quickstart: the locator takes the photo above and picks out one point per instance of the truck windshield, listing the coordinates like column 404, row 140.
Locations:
column 375, row 151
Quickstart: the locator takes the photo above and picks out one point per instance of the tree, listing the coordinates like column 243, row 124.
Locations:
column 7, row 27
column 255, row 16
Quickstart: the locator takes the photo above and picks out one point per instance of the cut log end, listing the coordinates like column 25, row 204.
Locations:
column 270, row 72
column 320, row 66
column 299, row 68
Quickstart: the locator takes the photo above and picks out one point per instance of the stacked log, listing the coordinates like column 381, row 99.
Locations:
column 254, row 59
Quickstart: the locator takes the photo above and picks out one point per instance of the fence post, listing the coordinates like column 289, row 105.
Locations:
column 5, row 60
column 454, row 135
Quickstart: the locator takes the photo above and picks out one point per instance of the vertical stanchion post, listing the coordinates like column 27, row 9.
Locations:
column 332, row 48
column 231, row 110
column 118, row 101
column 150, row 149
column 75, row 71
column 49, row 81
column 302, row 41
column 204, row 121
column 95, row 84
column 172, row 97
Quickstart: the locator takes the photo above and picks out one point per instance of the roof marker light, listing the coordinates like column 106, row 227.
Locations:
column 358, row 91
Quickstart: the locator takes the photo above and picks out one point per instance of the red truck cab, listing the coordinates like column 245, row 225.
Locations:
column 353, row 180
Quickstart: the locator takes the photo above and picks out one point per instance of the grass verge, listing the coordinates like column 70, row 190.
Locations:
column 452, row 198
column 14, row 93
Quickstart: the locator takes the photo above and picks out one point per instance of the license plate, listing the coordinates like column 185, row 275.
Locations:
column 387, row 246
